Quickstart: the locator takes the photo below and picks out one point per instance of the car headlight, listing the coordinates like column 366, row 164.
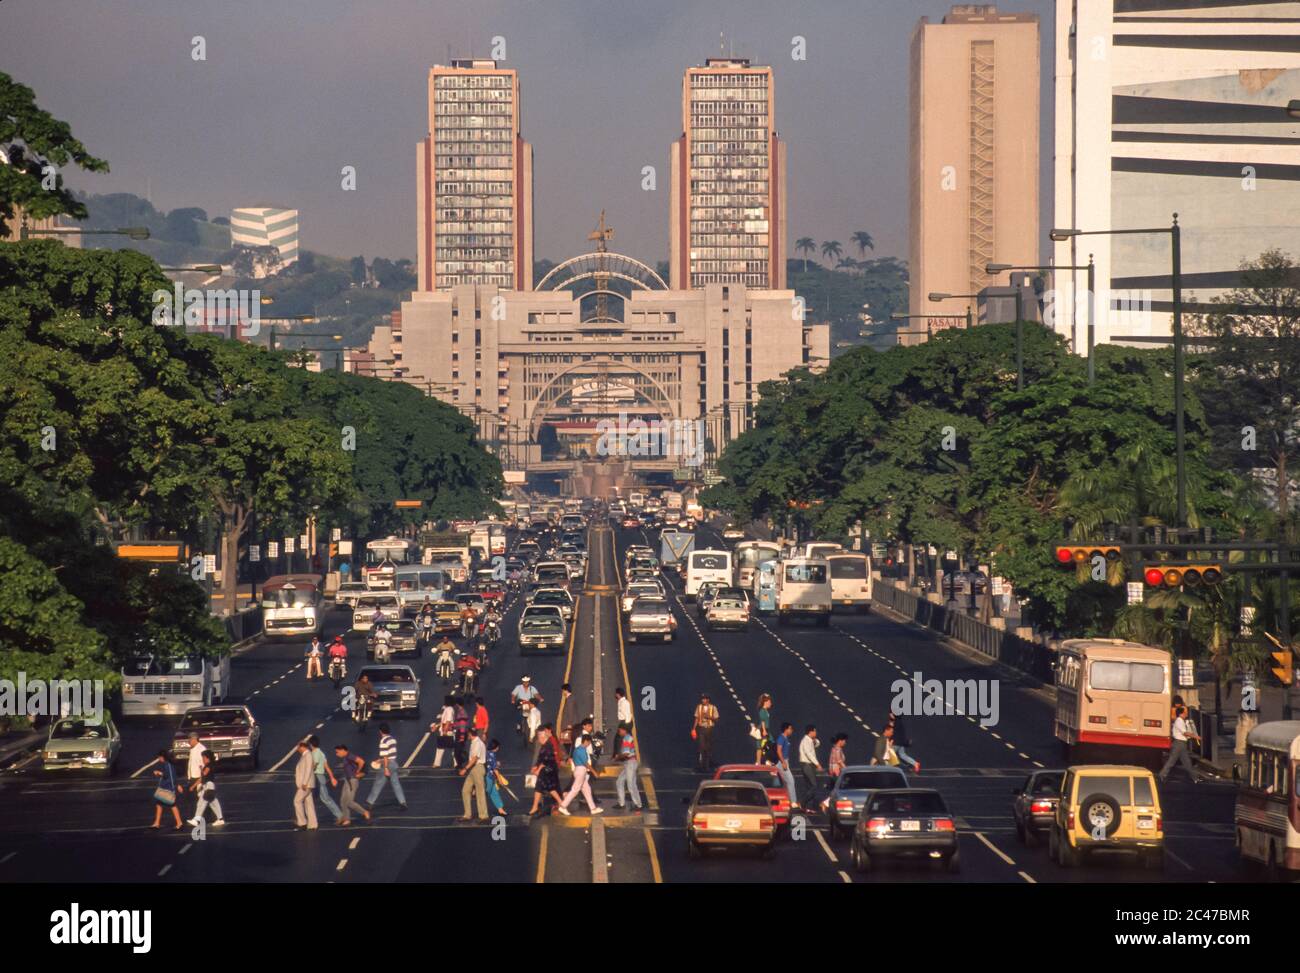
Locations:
column 128, row 689
column 98, row 754
column 48, row 755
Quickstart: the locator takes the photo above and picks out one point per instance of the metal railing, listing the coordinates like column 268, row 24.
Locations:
column 243, row 625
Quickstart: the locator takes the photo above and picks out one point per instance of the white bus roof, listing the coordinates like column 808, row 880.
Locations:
column 1281, row 735
column 1114, row 648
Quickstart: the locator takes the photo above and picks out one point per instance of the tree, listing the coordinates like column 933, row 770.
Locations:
column 831, row 249
column 30, row 141
column 806, row 245
column 862, row 239
column 358, row 270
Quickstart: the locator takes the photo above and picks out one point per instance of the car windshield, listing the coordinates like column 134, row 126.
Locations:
column 389, row 675
column 79, row 730
column 542, row 623
column 864, row 780
column 727, row 603
column 732, row 796
column 469, row 599
column 908, row 805
column 1132, row 677
column 446, row 606
column 186, row 665
column 551, row 598
column 806, row 573
column 200, row 719
column 372, row 603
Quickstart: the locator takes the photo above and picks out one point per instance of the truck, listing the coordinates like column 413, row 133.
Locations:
column 694, row 510
column 674, row 547
column 449, row 551
column 672, row 500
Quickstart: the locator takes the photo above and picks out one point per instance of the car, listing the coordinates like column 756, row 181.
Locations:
column 730, row 814
column 642, row 574
column 446, row 616
column 396, row 688
column 851, row 789
column 348, row 592
column 576, row 565
column 229, row 733
column 541, row 611
column 403, row 639
column 631, row 522
column 705, row 594
column 905, row 823
column 76, row 743
column 390, row 603
column 638, row 589
column 542, row 632
column 555, row 596
column 766, row 775
column 732, row 533
column 1107, row 807
column 1034, row 804
column 530, row 551
column 651, row 616
column 726, row 612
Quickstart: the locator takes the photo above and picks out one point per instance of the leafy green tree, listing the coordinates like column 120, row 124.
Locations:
column 831, row 249
column 30, row 140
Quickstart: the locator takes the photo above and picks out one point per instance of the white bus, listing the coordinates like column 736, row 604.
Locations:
column 704, row 566
column 292, row 605
column 818, row 549
column 416, row 582
column 383, row 557
column 803, row 590
column 1267, row 814
column 155, row 686
column 748, row 556
column 850, row 580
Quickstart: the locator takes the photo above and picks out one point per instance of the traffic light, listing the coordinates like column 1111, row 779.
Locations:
column 1084, row 553
column 1175, row 575
column 1282, row 666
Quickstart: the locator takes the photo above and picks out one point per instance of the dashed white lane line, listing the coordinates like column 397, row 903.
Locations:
column 343, row 863
column 164, row 870
column 817, row 676
column 353, row 844
column 1028, row 878
column 826, row 848
column 185, row 849
column 144, row 768
column 995, row 849
column 8, row 857
column 845, row 877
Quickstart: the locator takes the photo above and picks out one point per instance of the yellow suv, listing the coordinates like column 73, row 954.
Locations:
column 1108, row 807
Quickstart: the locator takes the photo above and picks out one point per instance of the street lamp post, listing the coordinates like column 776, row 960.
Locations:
column 1091, row 268
column 937, row 296
column 1176, row 286
column 134, row 232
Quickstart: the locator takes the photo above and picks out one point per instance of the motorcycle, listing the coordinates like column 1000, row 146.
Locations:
column 468, row 684
column 492, row 632
column 361, row 713
column 444, row 666
column 338, row 671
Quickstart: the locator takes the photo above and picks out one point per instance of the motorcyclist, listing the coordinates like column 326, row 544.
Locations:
column 525, row 691
column 446, row 651
column 467, row 667
column 426, row 623
column 492, row 625
column 338, row 653
column 366, row 697
column 383, row 643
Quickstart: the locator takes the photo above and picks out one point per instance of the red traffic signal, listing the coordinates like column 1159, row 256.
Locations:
column 1083, row 553
column 1183, row 575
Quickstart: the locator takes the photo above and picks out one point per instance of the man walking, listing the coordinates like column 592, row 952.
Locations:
column 201, row 784
column 304, row 775
column 351, row 767
column 474, row 773
column 706, row 718
column 783, row 746
column 624, row 709
column 1178, row 753
column 325, row 779
column 388, row 769
column 625, row 754
column 481, row 718
column 809, row 765
column 901, row 741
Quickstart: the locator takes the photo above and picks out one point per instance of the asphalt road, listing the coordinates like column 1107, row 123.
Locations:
column 81, row 828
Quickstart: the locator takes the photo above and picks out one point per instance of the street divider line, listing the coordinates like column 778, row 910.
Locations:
column 416, row 752
column 995, row 849
column 825, row 847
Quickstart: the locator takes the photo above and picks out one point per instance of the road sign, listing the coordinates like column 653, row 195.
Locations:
column 288, row 545
column 336, row 534
column 209, row 564
column 254, row 552
column 997, row 587
column 1186, row 673
column 345, row 547
column 713, row 479
column 1136, row 591
column 273, row 549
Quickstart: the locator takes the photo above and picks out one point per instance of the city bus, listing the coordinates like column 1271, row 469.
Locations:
column 1267, row 813
column 803, row 590
column 157, row 686
column 383, row 557
column 747, row 556
column 292, row 605
column 416, row 582
column 1113, row 694
column 850, row 581
column 704, row 566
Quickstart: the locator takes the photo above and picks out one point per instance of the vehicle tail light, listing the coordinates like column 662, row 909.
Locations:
column 765, row 823
column 878, row 824
column 1040, row 807
column 843, row 805
column 944, row 824
column 1160, row 823
column 1069, row 821
column 700, row 821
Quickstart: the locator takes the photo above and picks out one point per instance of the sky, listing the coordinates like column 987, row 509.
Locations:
column 292, row 91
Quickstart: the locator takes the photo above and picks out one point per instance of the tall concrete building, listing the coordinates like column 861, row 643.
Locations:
column 266, row 226
column 1167, row 106
column 973, row 152
column 474, row 175
column 727, row 221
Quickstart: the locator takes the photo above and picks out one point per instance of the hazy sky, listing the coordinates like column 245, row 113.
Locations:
column 293, row 90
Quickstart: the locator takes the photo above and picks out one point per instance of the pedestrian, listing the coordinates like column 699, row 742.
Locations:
column 492, row 776
column 481, row 718
column 474, row 772
column 325, row 779
column 545, row 771
column 835, row 760
column 809, row 765
column 625, row 755
column 885, row 752
column 315, row 653
column 623, row 709
column 581, row 777
column 532, row 719
column 783, row 745
column 199, row 779
column 1183, row 731
column 166, row 794
column 460, row 728
column 900, row 741
column 304, row 775
column 389, row 770
column 763, row 748
column 351, row 768
column 445, row 728
column 706, row 718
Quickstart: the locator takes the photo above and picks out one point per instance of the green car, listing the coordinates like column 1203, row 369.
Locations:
column 75, row 744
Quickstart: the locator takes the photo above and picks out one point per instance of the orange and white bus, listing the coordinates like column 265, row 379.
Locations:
column 1267, row 815
column 1113, row 694
column 291, row 606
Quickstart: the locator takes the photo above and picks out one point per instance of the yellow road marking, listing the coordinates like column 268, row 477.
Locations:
column 541, row 858
column 654, row 857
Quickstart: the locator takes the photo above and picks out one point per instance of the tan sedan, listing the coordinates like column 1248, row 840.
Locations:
column 730, row 812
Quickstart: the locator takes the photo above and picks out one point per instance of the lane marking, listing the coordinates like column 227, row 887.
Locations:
column 185, row 849
column 995, row 849
column 1028, row 878
column 164, row 870
column 541, row 857
column 343, row 863
column 845, row 877
column 9, row 857
column 825, row 847
column 155, row 760
column 418, row 747
column 353, row 843
column 654, row 858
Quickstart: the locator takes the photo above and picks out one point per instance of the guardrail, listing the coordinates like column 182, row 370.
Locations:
column 243, row 625
column 1006, row 647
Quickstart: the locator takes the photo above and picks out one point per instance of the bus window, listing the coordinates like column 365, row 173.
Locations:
column 806, row 573
column 848, row 568
column 709, row 562
column 1133, row 677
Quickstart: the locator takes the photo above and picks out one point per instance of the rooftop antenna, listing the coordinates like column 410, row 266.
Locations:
column 722, row 44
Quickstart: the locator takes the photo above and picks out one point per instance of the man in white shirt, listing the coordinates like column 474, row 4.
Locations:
column 809, row 765
column 1178, row 753
column 475, row 776
column 205, row 790
column 624, row 710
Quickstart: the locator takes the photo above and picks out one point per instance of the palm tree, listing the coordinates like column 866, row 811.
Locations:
column 831, row 249
column 864, row 242
column 806, row 245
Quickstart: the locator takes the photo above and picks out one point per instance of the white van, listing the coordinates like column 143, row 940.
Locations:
column 704, row 566
column 803, row 589
column 850, row 580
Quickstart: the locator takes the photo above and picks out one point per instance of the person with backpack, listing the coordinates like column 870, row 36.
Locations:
column 166, row 794
column 901, row 741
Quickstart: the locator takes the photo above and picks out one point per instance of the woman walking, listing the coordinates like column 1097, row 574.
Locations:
column 494, row 777
column 164, row 795
column 764, row 741
column 546, row 771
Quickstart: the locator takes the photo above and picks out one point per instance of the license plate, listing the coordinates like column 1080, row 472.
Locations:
column 1146, row 823
column 732, row 823
column 75, row 764
column 910, row 826
column 846, row 601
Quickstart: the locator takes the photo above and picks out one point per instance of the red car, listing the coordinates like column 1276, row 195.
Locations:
column 630, row 522
column 769, row 778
